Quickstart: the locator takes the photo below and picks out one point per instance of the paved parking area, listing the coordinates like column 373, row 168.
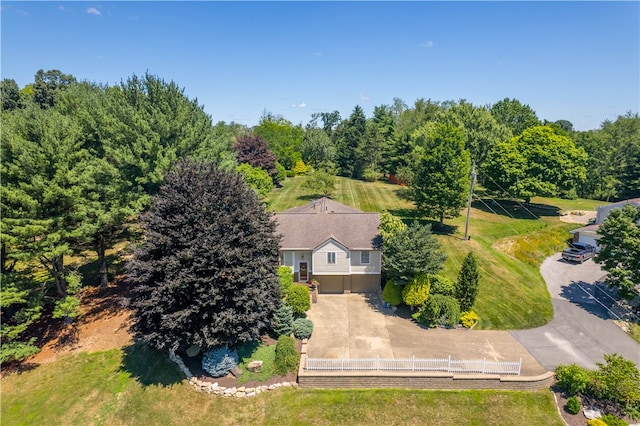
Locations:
column 357, row 326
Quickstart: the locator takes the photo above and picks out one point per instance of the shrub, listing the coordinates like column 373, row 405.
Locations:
column 286, row 355
column 302, row 328
column 596, row 422
column 573, row 405
column 468, row 319
column 285, row 275
column 281, row 173
column 300, row 168
column 416, row 292
column 291, row 173
column 282, row 321
column 218, row 362
column 439, row 309
column 298, row 298
column 572, row 378
column 618, row 380
column 392, row 293
column 442, row 285
column 612, row 420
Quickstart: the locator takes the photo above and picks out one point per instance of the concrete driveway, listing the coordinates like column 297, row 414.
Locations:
column 581, row 331
column 356, row 326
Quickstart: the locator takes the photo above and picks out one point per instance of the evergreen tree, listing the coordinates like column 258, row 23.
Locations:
column 411, row 251
column 349, row 144
column 468, row 280
column 205, row 273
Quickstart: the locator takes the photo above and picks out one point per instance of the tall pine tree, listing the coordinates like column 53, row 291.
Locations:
column 468, row 279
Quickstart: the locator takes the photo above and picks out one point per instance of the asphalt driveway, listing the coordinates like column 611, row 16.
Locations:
column 357, row 326
column 581, row 331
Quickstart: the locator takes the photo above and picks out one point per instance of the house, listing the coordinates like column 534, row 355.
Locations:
column 332, row 243
column 589, row 234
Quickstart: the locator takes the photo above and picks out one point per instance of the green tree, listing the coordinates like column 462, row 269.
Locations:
column 189, row 278
column 390, row 225
column 320, row 183
column 349, row 144
column 514, row 115
column 538, row 162
column 317, row 149
column 256, row 178
column 480, row 128
column 468, row 280
column 48, row 86
column 441, row 173
column 283, row 138
column 10, row 93
column 411, row 251
column 620, row 248
column 618, row 380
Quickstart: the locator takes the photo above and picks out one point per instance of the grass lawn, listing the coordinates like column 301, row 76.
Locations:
column 133, row 386
column 509, row 244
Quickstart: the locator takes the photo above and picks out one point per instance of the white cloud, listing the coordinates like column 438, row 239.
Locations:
column 427, row 44
column 300, row 105
column 364, row 97
column 93, row 11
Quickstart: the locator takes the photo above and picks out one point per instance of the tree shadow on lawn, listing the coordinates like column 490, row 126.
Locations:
column 515, row 209
column 409, row 216
column 576, row 294
column 149, row 367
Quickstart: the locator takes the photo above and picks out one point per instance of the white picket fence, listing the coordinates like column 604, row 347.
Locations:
column 446, row 365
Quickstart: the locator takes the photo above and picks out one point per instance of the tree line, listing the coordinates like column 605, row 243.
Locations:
column 81, row 160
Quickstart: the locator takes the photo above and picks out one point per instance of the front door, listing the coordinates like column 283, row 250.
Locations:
column 304, row 274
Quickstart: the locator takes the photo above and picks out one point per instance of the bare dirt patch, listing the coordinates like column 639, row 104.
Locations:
column 104, row 325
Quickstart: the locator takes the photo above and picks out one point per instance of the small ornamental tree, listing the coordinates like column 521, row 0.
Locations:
column 438, row 310
column 467, row 288
column 286, row 355
column 300, row 168
column 416, row 292
column 282, row 321
column 205, row 272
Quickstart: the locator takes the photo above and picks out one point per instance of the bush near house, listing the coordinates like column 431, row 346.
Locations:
column 286, row 355
column 392, row 293
column 302, row 328
column 282, row 321
column 439, row 310
column 298, row 298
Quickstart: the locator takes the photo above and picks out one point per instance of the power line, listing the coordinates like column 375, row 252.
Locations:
column 511, row 196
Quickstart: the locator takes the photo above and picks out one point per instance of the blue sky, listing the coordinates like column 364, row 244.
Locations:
column 577, row 61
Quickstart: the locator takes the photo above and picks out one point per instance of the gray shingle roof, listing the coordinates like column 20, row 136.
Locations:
column 308, row 226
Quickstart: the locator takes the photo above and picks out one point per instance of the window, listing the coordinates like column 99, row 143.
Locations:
column 364, row 257
column 331, row 257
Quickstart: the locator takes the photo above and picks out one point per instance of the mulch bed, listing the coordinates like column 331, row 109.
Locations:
column 195, row 366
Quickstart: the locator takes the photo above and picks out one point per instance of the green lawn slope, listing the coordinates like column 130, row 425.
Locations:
column 133, row 386
column 510, row 241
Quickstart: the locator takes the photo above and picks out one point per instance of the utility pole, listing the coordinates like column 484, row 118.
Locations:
column 473, row 179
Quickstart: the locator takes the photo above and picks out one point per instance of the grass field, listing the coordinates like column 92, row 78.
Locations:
column 133, row 386
column 509, row 240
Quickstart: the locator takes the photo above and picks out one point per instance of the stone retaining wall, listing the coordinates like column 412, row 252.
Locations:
column 416, row 379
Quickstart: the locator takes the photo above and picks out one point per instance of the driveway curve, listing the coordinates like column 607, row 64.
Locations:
column 581, row 331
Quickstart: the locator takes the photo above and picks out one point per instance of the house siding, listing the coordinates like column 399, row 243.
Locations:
column 320, row 265
column 373, row 267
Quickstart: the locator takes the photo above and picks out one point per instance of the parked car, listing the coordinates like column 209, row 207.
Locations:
column 578, row 252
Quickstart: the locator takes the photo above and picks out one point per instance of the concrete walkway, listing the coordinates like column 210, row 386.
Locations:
column 356, row 326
